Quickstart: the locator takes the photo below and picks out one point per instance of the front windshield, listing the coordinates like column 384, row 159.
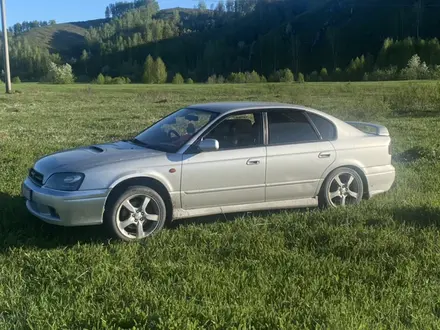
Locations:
column 172, row 132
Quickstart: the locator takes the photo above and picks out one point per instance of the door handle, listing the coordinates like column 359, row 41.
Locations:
column 324, row 155
column 253, row 162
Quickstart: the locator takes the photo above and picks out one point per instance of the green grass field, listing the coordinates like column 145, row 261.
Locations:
column 367, row 267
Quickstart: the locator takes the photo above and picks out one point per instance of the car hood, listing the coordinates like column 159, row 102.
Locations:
column 80, row 159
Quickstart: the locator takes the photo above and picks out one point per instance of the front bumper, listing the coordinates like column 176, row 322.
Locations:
column 65, row 208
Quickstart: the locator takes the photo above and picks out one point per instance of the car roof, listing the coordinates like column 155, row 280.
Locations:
column 225, row 107
column 344, row 129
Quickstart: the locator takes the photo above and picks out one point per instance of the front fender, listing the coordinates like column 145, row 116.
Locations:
column 166, row 182
column 170, row 181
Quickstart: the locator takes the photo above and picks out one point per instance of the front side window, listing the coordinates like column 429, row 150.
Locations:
column 238, row 131
column 172, row 132
column 290, row 126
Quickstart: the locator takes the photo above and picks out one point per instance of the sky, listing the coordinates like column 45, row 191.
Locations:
column 71, row 11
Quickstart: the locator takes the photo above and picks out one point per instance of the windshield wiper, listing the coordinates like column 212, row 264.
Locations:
column 140, row 143
column 146, row 145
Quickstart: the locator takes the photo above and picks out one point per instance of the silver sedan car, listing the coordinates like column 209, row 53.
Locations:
column 210, row 159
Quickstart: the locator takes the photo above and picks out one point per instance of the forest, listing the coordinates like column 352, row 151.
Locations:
column 276, row 40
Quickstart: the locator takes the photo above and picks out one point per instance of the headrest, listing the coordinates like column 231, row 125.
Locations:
column 242, row 125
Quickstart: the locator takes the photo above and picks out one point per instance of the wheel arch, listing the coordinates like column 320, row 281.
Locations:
column 150, row 182
column 356, row 168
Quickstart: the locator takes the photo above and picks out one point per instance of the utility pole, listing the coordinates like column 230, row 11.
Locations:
column 6, row 50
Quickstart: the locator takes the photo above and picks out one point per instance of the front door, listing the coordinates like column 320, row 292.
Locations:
column 234, row 174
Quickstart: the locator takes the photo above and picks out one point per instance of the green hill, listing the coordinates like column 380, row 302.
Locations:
column 64, row 38
column 261, row 35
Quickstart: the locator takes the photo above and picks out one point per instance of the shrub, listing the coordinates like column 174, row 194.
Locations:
column 108, row 80
column 286, row 75
column 415, row 69
column 263, row 79
column 323, row 74
column 160, row 72
column 338, row 75
column 118, row 81
column 237, row 78
column 16, row 80
column 390, row 73
column 189, row 81
column 60, row 74
column 100, row 80
column 252, row 77
column 313, row 76
column 435, row 72
column 212, row 79
column 275, row 76
column 221, row 79
column 148, row 75
column 178, row 79
column 300, row 78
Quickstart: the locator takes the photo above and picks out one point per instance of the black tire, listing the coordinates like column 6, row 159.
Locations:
column 116, row 209
column 352, row 196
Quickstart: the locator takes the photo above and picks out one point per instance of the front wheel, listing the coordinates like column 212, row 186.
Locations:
column 342, row 187
column 136, row 213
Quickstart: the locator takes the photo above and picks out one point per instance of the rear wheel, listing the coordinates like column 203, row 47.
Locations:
column 342, row 187
column 136, row 213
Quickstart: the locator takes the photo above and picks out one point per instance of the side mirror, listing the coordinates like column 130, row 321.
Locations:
column 209, row 145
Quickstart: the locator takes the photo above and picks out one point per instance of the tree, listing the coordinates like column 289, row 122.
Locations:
column 229, row 6
column 418, row 7
column 252, row 77
column 189, row 81
column 84, row 59
column 313, row 76
column 287, row 76
column 300, row 78
column 60, row 74
column 202, row 5
column 323, row 74
column 100, row 80
column 415, row 69
column 108, row 80
column 108, row 12
column 178, row 79
column 148, row 76
column 212, row 79
column 220, row 7
column 160, row 72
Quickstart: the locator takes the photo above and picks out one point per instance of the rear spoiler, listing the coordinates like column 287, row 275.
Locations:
column 378, row 129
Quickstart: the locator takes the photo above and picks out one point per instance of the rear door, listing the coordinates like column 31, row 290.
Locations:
column 297, row 155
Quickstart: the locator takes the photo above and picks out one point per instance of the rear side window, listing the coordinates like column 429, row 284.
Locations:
column 325, row 127
column 290, row 127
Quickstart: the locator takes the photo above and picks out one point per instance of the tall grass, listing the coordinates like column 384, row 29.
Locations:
column 367, row 267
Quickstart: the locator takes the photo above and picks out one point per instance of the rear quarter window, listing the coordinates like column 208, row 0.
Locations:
column 326, row 128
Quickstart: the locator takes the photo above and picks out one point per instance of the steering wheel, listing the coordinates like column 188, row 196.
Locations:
column 173, row 132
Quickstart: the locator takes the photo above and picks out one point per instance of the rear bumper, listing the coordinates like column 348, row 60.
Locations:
column 380, row 179
column 69, row 209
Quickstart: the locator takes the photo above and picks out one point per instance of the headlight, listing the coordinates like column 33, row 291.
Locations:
column 65, row 181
